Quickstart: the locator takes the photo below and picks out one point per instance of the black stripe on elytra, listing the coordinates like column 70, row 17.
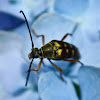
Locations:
column 75, row 51
column 63, row 54
column 70, row 51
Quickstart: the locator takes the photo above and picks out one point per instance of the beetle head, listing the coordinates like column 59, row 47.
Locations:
column 34, row 53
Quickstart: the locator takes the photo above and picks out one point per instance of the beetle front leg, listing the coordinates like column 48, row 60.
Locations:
column 39, row 65
column 66, row 36
column 43, row 37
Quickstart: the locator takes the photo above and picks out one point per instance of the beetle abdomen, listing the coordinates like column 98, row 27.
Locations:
column 63, row 50
column 59, row 50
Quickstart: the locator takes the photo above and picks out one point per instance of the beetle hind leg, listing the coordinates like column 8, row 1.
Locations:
column 66, row 36
column 74, row 60
column 58, row 69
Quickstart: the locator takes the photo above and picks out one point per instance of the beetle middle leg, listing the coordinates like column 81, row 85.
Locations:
column 58, row 69
column 39, row 65
column 43, row 37
column 66, row 36
column 74, row 60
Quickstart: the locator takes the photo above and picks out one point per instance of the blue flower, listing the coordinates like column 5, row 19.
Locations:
column 89, row 79
column 46, row 83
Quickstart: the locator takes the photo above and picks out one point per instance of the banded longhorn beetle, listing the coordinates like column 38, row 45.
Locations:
column 53, row 50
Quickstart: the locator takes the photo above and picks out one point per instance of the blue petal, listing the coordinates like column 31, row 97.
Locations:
column 31, row 8
column 10, row 61
column 71, row 8
column 92, row 19
column 11, row 64
column 28, row 95
column 8, row 21
column 52, row 88
column 89, row 79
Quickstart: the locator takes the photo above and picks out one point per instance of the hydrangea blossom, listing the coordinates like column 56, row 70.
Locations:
column 46, row 84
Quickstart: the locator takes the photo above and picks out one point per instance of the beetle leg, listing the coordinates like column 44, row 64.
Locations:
column 66, row 36
column 43, row 37
column 58, row 69
column 43, row 63
column 39, row 65
column 75, row 60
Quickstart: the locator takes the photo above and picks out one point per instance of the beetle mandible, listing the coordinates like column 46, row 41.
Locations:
column 53, row 50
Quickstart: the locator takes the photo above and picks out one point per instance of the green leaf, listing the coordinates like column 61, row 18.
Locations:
column 77, row 89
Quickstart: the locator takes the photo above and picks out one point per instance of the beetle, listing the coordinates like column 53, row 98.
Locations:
column 53, row 50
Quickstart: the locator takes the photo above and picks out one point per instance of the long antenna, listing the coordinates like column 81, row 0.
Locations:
column 32, row 47
column 28, row 27
column 28, row 73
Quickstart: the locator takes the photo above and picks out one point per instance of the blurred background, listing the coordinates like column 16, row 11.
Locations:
column 53, row 19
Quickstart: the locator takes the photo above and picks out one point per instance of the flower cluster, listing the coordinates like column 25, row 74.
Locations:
column 53, row 19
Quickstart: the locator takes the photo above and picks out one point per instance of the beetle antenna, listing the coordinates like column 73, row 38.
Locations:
column 32, row 47
column 28, row 27
column 28, row 73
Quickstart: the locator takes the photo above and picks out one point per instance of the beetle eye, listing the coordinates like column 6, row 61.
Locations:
column 29, row 55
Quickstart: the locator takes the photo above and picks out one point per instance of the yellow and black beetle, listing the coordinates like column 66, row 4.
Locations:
column 55, row 50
